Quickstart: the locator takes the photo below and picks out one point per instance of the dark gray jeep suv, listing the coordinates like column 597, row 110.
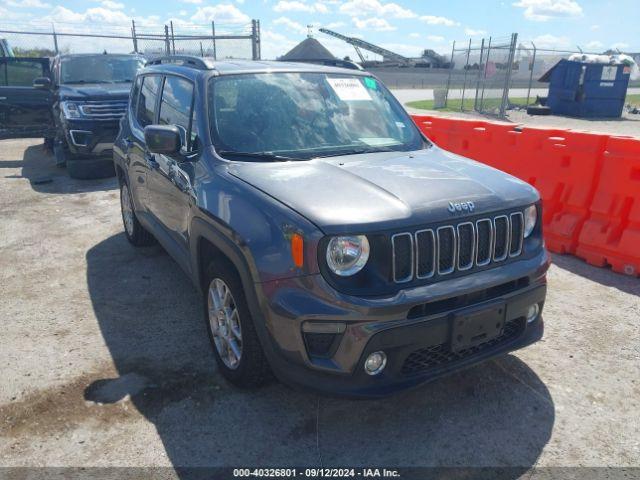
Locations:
column 335, row 246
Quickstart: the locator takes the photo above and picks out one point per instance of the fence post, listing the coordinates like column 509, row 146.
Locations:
column 255, row 40
column 173, row 38
column 55, row 38
column 484, row 76
column 464, row 85
column 133, row 35
column 201, row 50
column 533, row 64
column 167, row 45
column 507, row 80
column 475, row 101
column 446, row 94
column 213, row 37
column 258, row 40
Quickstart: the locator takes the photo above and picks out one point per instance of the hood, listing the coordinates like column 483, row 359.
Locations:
column 95, row 91
column 370, row 192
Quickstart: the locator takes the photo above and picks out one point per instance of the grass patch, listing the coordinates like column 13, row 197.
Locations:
column 456, row 105
column 633, row 100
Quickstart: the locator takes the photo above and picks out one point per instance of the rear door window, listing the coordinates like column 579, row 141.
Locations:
column 146, row 108
column 175, row 106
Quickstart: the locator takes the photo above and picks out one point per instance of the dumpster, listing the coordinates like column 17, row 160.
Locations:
column 581, row 89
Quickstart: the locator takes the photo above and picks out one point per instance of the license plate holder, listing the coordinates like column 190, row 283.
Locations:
column 473, row 327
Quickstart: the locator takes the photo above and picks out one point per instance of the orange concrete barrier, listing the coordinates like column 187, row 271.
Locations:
column 611, row 234
column 589, row 183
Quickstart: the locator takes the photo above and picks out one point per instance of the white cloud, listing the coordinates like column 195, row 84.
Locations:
column 364, row 8
column 295, row 6
column 95, row 16
column 435, row 20
column 435, row 38
column 551, row 41
column 275, row 44
column 291, row 25
column 474, row 33
column 594, row 45
column 404, row 49
column 375, row 24
column 182, row 13
column 333, row 25
column 622, row 46
column 194, row 2
column 26, row 4
column 595, row 27
column 223, row 13
column 414, row 35
column 543, row 10
column 112, row 5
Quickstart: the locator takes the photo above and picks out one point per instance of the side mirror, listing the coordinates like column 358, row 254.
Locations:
column 163, row 139
column 43, row 83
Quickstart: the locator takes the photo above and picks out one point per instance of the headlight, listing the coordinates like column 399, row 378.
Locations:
column 530, row 219
column 346, row 256
column 70, row 110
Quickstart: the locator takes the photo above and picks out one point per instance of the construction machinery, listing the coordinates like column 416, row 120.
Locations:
column 387, row 55
column 428, row 59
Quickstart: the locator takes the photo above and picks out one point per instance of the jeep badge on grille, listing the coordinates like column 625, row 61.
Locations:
column 461, row 207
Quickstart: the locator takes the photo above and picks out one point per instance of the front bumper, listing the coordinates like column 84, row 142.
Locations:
column 413, row 328
column 91, row 137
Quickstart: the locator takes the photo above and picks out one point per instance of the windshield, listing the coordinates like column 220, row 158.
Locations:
column 307, row 115
column 99, row 69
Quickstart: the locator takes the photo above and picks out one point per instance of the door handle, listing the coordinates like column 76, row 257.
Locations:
column 3, row 98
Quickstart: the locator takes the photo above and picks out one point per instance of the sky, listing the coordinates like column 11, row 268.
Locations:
column 404, row 26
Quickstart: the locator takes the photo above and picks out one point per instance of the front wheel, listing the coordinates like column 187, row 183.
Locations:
column 233, row 336
column 135, row 233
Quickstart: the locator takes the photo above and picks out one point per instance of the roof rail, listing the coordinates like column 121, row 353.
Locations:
column 186, row 60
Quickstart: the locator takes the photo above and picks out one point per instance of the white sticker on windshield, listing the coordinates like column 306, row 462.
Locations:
column 349, row 89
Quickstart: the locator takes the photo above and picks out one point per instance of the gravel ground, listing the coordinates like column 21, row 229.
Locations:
column 105, row 362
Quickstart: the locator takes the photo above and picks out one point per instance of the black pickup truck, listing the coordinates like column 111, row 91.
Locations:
column 75, row 102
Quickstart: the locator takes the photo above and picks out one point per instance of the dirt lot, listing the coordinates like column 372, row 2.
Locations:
column 105, row 362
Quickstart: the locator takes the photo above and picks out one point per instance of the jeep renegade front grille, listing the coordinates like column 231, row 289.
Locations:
column 454, row 248
column 104, row 110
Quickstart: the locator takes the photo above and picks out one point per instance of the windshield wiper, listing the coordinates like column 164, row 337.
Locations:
column 269, row 156
column 356, row 151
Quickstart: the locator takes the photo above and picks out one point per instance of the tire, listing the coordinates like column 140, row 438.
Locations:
column 251, row 370
column 135, row 233
column 90, row 169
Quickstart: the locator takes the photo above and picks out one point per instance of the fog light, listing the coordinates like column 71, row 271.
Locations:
column 532, row 312
column 375, row 363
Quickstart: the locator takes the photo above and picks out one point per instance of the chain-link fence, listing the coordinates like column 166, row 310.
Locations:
column 480, row 76
column 213, row 40
column 494, row 75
